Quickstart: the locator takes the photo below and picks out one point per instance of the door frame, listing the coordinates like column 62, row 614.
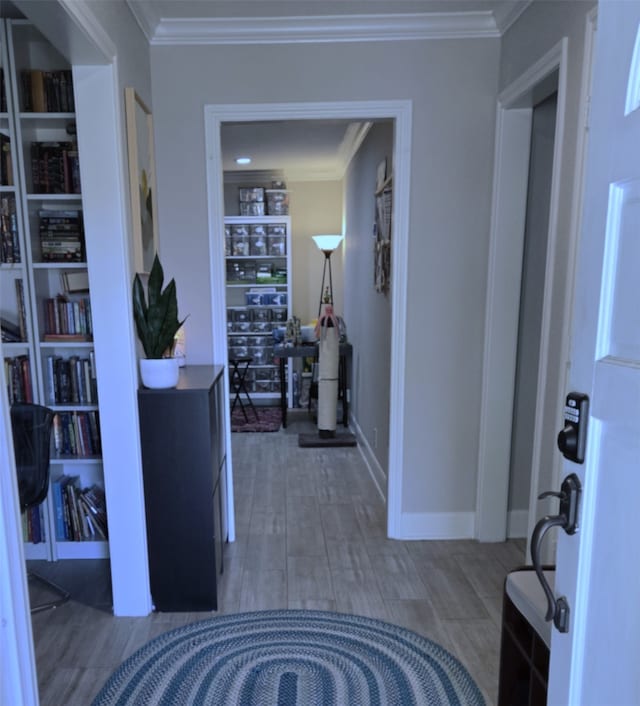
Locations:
column 508, row 212
column 401, row 112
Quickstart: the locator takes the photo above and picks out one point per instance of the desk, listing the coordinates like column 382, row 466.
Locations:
column 310, row 350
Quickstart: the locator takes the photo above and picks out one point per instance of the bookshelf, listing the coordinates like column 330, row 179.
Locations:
column 258, row 289
column 47, row 331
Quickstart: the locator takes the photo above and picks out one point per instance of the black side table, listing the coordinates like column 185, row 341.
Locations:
column 239, row 368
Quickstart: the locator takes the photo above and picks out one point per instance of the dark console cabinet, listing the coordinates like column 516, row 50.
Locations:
column 182, row 433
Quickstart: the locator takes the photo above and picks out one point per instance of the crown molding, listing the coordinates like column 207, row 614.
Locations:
column 146, row 16
column 353, row 138
column 329, row 28
column 506, row 15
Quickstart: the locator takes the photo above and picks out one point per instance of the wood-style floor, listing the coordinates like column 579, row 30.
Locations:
column 310, row 534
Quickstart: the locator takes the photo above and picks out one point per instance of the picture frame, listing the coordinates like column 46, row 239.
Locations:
column 142, row 180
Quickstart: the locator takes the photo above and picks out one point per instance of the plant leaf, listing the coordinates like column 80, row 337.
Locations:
column 156, row 321
column 156, row 278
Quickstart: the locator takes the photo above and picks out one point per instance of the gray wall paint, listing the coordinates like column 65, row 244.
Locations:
column 367, row 312
column 452, row 84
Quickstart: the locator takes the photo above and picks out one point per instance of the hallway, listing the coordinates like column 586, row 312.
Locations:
column 310, row 534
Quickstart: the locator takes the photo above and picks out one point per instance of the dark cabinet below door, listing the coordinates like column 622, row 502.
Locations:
column 183, row 458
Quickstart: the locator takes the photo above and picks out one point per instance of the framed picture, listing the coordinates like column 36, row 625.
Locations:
column 142, row 180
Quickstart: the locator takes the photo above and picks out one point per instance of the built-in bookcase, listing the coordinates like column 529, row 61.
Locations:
column 45, row 301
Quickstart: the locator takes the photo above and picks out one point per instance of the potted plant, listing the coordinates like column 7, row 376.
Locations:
column 156, row 317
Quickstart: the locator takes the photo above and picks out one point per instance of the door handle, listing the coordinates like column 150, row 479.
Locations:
column 567, row 519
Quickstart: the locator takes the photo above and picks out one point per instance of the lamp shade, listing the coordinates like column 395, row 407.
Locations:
column 327, row 243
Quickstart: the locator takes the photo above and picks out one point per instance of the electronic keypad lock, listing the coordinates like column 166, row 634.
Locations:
column 572, row 440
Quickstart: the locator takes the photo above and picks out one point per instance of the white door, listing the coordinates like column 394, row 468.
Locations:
column 597, row 663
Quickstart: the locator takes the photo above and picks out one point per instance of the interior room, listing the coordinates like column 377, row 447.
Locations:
column 120, row 126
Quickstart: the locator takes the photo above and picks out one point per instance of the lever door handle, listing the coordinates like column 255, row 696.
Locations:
column 567, row 518
column 541, row 528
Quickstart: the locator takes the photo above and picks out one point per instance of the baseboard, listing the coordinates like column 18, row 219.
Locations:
column 436, row 525
column 517, row 523
column 376, row 471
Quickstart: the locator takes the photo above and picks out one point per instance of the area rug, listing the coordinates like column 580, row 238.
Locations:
column 268, row 419
column 291, row 658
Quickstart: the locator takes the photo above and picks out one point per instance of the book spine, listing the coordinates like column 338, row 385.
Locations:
column 56, row 488
column 22, row 316
column 51, row 380
column 25, row 372
column 57, row 434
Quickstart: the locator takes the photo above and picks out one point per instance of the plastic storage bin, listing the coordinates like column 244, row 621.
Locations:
column 277, row 202
column 251, row 194
column 251, row 208
column 276, row 245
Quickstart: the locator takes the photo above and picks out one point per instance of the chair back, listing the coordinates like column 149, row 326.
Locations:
column 31, row 425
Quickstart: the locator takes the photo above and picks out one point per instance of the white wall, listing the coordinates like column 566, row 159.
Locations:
column 452, row 84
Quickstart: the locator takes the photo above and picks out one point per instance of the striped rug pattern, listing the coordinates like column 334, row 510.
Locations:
column 290, row 658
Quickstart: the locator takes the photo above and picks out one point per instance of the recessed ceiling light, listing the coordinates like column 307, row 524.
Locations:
column 243, row 160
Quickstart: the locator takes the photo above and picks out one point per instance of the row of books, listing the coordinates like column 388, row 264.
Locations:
column 33, row 525
column 47, row 91
column 80, row 514
column 67, row 319
column 17, row 373
column 76, row 434
column 9, row 242
column 71, row 380
column 61, row 235
column 55, row 168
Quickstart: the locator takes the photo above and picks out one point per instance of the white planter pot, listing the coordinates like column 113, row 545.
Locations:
column 159, row 373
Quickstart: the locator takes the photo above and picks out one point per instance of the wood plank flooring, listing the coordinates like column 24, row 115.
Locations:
column 310, row 534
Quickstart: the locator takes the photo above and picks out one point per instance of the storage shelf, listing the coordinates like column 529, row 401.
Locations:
column 40, row 117
column 73, row 407
column 256, row 284
column 87, row 549
column 36, row 551
column 71, row 460
column 255, row 257
column 14, row 346
column 59, row 265
column 53, row 197
column 66, row 344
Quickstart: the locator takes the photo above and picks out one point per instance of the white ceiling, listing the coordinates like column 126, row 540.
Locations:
column 303, row 150
column 311, row 150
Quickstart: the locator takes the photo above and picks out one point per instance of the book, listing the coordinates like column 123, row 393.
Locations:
column 22, row 315
column 57, row 491
column 10, row 331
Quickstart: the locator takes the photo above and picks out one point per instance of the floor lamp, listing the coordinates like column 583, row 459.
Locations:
column 326, row 244
column 328, row 335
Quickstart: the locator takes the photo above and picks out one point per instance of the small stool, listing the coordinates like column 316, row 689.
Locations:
column 239, row 369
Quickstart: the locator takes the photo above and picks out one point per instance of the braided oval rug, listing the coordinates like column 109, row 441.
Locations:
column 290, row 658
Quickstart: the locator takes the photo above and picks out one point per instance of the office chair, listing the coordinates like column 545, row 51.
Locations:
column 31, row 426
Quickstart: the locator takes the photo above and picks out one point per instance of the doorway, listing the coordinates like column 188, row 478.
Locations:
column 507, row 253
column 530, row 321
column 400, row 113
